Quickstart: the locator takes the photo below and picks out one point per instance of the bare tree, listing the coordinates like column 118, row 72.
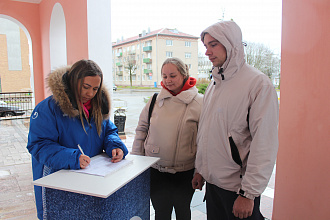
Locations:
column 262, row 58
column 130, row 65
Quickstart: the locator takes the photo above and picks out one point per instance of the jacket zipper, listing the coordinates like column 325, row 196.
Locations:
column 179, row 134
column 89, row 134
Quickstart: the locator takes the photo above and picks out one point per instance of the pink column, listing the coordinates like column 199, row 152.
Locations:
column 302, row 187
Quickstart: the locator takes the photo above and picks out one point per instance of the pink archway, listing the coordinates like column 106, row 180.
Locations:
column 36, row 19
column 28, row 16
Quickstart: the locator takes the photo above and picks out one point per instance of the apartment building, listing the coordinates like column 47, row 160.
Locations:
column 15, row 71
column 144, row 54
column 204, row 67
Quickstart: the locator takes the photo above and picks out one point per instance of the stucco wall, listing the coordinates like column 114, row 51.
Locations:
column 302, row 170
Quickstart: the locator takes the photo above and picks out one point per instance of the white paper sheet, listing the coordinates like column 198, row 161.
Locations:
column 101, row 165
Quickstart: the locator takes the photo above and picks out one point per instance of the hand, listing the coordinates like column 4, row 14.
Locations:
column 197, row 182
column 243, row 207
column 117, row 155
column 84, row 161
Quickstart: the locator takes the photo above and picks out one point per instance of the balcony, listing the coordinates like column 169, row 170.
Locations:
column 147, row 71
column 119, row 64
column 147, row 48
column 119, row 73
column 132, row 52
column 119, row 54
column 147, row 60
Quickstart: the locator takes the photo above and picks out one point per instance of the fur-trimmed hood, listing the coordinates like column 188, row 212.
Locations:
column 61, row 94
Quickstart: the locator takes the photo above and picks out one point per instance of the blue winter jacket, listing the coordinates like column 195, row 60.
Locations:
column 54, row 135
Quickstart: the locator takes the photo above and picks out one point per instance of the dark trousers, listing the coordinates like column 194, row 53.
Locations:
column 220, row 202
column 171, row 190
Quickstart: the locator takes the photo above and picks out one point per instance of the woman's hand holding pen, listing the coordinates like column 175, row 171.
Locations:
column 84, row 161
column 117, row 155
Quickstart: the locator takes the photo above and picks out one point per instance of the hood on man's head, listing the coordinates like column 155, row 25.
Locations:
column 228, row 33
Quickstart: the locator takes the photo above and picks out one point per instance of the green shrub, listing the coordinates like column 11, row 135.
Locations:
column 202, row 87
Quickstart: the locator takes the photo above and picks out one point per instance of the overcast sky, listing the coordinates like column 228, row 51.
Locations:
column 260, row 20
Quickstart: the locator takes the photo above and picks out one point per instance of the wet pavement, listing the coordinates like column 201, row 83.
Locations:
column 16, row 189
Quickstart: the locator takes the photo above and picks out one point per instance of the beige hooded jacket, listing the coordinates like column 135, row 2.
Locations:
column 238, row 122
column 173, row 130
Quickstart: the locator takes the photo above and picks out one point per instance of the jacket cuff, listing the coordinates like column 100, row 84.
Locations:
column 245, row 194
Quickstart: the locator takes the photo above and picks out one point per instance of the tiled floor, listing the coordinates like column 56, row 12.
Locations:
column 16, row 189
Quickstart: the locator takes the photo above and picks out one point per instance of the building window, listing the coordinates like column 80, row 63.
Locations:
column 187, row 44
column 169, row 43
column 187, row 55
column 148, row 43
column 138, row 47
column 169, row 54
column 143, row 77
column 150, row 77
column 189, row 66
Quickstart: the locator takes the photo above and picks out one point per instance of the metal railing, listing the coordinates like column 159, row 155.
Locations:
column 16, row 105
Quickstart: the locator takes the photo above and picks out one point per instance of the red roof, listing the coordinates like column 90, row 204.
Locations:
column 163, row 32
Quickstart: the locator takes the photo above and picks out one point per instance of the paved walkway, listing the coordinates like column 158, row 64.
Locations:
column 16, row 189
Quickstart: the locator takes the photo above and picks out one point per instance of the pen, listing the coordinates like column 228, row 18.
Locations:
column 81, row 150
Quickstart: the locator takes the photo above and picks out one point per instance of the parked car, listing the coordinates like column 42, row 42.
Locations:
column 114, row 87
column 9, row 110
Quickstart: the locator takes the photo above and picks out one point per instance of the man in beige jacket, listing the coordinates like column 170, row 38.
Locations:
column 237, row 137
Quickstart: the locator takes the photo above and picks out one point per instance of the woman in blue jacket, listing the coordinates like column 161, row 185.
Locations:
column 76, row 113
